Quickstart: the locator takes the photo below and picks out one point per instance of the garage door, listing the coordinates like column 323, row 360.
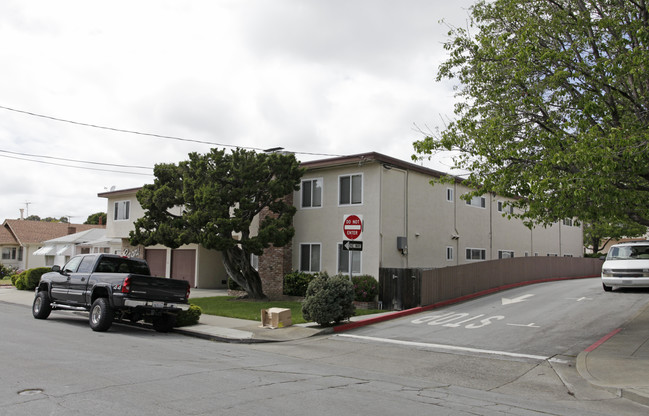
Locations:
column 157, row 259
column 183, row 265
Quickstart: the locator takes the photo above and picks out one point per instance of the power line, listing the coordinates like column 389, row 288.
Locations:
column 160, row 136
column 76, row 160
column 76, row 167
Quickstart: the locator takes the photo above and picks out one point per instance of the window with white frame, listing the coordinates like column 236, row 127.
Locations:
column 350, row 189
column 477, row 201
column 348, row 260
column 310, row 257
column 553, row 255
column 122, row 210
column 503, row 207
column 476, row 254
column 9, row 253
column 449, row 194
column 312, row 193
column 449, row 253
column 568, row 222
column 505, row 254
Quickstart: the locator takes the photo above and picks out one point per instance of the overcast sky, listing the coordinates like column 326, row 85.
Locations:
column 319, row 78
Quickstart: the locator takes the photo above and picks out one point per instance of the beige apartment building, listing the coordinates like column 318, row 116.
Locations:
column 406, row 223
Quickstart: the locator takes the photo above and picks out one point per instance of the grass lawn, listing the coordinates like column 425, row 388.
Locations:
column 232, row 307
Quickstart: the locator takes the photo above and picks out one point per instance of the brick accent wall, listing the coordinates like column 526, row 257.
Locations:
column 275, row 263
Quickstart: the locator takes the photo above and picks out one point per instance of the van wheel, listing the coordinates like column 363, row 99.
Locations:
column 101, row 315
column 607, row 288
column 41, row 307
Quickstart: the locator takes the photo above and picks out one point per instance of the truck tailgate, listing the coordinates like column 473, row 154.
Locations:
column 158, row 288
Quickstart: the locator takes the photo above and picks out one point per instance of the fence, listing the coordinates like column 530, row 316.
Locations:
column 409, row 288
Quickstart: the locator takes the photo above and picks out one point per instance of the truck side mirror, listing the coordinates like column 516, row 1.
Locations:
column 56, row 268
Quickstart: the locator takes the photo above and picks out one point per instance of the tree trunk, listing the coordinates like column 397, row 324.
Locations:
column 237, row 265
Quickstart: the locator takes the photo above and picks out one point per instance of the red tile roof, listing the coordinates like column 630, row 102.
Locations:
column 25, row 232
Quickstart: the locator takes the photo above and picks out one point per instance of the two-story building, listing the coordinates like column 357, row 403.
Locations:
column 406, row 223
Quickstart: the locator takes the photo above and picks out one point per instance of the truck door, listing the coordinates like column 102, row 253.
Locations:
column 78, row 283
column 61, row 282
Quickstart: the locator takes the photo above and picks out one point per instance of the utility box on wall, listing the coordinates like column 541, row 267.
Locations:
column 402, row 244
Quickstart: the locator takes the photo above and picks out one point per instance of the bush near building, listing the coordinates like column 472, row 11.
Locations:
column 329, row 300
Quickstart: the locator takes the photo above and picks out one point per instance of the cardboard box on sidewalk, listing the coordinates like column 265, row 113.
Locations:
column 276, row 317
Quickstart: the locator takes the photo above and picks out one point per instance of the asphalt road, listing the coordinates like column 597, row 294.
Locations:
column 60, row 367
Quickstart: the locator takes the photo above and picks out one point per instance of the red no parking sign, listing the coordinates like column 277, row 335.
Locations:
column 352, row 227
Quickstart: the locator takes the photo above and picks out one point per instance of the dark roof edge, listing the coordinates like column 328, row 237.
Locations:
column 118, row 192
column 377, row 157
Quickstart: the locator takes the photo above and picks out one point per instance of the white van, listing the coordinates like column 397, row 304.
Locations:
column 626, row 265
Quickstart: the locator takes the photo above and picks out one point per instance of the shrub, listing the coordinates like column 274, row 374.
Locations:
column 328, row 299
column 366, row 288
column 33, row 277
column 296, row 283
column 6, row 271
column 189, row 317
column 20, row 280
column 232, row 285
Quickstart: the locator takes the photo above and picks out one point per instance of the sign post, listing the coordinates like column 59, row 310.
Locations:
column 352, row 236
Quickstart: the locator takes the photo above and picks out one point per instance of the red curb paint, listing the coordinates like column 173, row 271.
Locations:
column 400, row 314
column 603, row 340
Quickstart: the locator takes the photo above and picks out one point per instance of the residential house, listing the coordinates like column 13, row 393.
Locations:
column 20, row 239
column 59, row 250
column 406, row 223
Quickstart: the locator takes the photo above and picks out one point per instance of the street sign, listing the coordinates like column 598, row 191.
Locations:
column 352, row 227
column 353, row 245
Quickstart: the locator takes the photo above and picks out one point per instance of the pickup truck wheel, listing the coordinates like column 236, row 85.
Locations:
column 101, row 315
column 164, row 323
column 41, row 307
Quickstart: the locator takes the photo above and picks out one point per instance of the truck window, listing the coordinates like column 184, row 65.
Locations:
column 122, row 265
column 72, row 265
column 86, row 264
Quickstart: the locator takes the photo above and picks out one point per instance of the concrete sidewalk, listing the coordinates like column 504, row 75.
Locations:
column 618, row 362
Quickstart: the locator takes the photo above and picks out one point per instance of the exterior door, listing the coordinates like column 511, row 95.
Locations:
column 157, row 259
column 183, row 265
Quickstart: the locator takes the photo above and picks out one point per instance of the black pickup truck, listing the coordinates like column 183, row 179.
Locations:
column 111, row 288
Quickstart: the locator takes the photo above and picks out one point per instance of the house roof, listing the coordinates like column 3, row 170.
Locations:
column 22, row 232
column 80, row 237
column 362, row 158
column 356, row 159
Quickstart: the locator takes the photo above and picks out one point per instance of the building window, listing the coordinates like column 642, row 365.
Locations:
column 449, row 194
column 476, row 254
column 503, row 207
column 49, row 260
column 348, row 260
column 122, row 209
column 9, row 253
column 505, row 254
column 312, row 193
column 310, row 258
column 449, row 253
column 553, row 255
column 568, row 222
column 350, row 189
column 477, row 201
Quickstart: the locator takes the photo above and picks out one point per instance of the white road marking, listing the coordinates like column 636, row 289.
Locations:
column 580, row 299
column 507, row 301
column 444, row 347
column 532, row 325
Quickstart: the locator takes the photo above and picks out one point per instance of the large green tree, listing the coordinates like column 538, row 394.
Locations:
column 212, row 199
column 597, row 235
column 553, row 107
